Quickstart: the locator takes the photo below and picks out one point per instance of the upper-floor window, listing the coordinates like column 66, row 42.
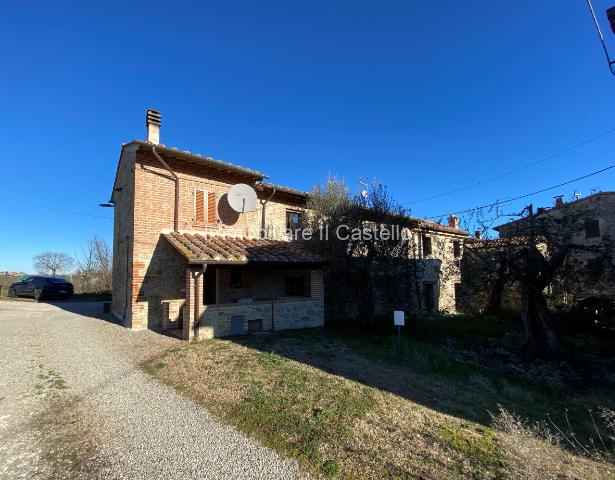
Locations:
column 205, row 207
column 456, row 248
column 426, row 245
column 293, row 220
column 592, row 228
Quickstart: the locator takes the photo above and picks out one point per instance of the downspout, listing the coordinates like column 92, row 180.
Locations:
column 264, row 204
column 176, row 178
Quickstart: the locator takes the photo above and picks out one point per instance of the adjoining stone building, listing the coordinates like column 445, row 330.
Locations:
column 587, row 226
column 581, row 229
column 436, row 252
column 185, row 261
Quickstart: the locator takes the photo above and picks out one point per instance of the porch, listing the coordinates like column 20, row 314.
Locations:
column 237, row 285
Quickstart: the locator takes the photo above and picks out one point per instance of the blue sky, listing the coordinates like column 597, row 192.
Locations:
column 424, row 96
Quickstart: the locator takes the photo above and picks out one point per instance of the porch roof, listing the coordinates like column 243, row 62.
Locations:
column 218, row 249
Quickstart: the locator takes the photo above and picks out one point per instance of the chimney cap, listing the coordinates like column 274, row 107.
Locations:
column 478, row 234
column 453, row 221
column 153, row 116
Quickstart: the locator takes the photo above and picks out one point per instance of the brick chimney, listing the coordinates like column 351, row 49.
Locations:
column 453, row 221
column 559, row 201
column 152, row 122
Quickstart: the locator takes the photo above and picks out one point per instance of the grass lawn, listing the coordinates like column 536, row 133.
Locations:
column 367, row 407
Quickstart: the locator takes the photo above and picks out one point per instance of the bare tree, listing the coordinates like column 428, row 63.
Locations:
column 94, row 266
column 541, row 250
column 53, row 263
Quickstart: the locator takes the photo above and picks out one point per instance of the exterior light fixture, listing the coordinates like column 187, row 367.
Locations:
column 610, row 13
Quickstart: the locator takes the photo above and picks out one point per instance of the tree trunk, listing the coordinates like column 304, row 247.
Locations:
column 540, row 340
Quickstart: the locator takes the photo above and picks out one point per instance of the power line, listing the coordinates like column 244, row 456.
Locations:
column 524, row 167
column 58, row 210
column 503, row 202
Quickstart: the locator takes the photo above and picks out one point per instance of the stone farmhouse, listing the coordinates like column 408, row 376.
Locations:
column 186, row 262
column 587, row 222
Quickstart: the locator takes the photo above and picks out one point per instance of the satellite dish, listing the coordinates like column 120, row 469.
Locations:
column 242, row 198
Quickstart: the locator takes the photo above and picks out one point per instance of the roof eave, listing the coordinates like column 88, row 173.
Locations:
column 202, row 160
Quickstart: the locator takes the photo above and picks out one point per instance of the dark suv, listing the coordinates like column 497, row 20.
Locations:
column 41, row 287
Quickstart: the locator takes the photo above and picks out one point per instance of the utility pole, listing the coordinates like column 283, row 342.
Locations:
column 610, row 14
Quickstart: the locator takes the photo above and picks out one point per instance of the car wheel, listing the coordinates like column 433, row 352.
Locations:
column 38, row 294
column 12, row 292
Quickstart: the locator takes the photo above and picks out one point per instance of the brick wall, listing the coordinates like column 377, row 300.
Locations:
column 146, row 266
column 123, row 235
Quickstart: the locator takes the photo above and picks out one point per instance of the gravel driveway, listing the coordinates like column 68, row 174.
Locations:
column 75, row 404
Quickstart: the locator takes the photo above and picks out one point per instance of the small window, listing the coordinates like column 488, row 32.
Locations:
column 592, row 228
column 255, row 325
column 294, row 286
column 456, row 249
column 235, row 278
column 426, row 245
column 205, row 207
column 293, row 220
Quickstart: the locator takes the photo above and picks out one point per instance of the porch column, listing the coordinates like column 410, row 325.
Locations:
column 194, row 302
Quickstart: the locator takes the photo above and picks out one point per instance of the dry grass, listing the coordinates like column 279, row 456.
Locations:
column 358, row 408
column 534, row 452
column 68, row 437
column 69, row 441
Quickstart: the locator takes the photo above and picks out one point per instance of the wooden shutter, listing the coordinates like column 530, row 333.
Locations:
column 199, row 206
column 211, row 207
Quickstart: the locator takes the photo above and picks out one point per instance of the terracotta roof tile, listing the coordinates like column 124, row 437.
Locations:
column 225, row 249
column 517, row 241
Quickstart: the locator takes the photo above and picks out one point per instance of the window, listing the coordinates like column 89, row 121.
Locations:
column 255, row 325
column 205, row 207
column 235, row 278
column 293, row 220
column 592, row 228
column 456, row 249
column 294, row 286
column 426, row 245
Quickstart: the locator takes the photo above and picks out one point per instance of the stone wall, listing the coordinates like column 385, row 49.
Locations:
column 278, row 315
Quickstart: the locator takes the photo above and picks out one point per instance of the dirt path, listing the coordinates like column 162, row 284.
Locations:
column 75, row 404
